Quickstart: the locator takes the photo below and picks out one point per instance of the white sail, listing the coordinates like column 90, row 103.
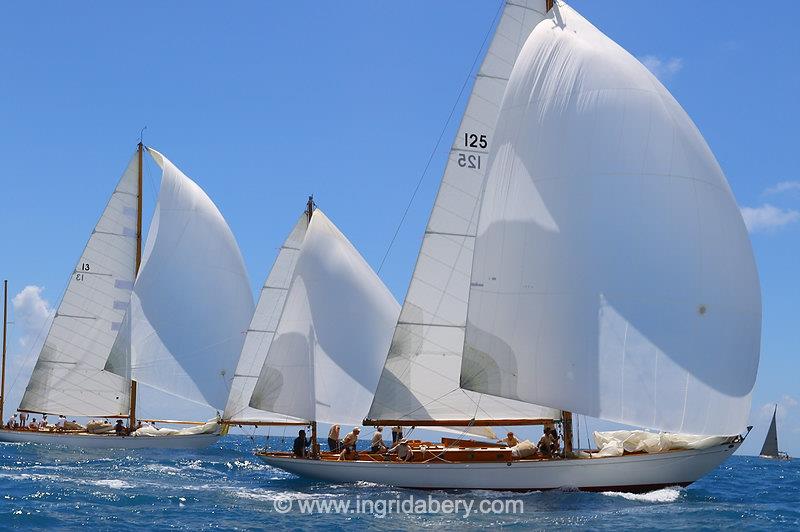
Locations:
column 420, row 380
column 191, row 303
column 335, row 328
column 613, row 275
column 262, row 330
column 68, row 377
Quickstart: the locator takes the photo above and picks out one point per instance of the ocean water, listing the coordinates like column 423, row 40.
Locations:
column 225, row 487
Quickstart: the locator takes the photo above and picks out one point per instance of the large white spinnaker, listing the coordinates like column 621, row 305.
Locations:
column 613, row 275
column 420, row 380
column 261, row 332
column 326, row 357
column 191, row 303
column 68, row 377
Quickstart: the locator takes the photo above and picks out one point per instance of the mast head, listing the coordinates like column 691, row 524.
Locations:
column 310, row 206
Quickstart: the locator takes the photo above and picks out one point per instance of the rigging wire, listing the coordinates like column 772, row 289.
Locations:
column 469, row 76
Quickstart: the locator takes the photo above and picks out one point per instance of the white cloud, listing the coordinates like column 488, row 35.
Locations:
column 31, row 313
column 663, row 69
column 785, row 404
column 768, row 217
column 783, row 186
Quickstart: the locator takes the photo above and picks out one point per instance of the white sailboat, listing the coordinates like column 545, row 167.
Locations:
column 170, row 316
column 584, row 253
column 770, row 447
column 314, row 348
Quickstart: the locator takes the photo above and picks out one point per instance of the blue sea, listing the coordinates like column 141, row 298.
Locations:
column 225, row 487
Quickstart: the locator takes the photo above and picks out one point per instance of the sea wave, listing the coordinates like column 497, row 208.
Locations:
column 661, row 495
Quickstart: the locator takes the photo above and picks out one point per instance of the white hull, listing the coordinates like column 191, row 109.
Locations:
column 96, row 441
column 639, row 472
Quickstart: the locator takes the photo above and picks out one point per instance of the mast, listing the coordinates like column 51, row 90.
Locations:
column 314, row 445
column 140, row 149
column 3, row 375
column 310, row 206
column 566, row 425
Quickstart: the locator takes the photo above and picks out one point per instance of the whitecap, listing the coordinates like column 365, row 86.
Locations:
column 112, row 483
column 662, row 495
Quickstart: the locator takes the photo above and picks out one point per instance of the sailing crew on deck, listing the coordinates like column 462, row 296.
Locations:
column 349, row 443
column 299, row 449
column 333, row 439
column 62, row 420
column 403, row 450
column 119, row 428
column 545, row 444
column 397, row 435
column 23, row 419
column 509, row 440
column 33, row 425
column 12, row 422
column 377, row 445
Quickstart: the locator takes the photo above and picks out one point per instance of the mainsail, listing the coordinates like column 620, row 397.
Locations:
column 261, row 332
column 191, row 302
column 68, row 377
column 420, row 380
column 326, row 356
column 770, row 447
column 613, row 275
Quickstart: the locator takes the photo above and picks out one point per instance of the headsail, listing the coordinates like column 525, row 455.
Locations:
column 420, row 380
column 68, row 377
column 336, row 325
column 191, row 303
column 613, row 275
column 770, row 447
column 262, row 330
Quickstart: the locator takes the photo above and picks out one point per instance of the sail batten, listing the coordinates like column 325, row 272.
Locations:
column 420, row 380
column 612, row 274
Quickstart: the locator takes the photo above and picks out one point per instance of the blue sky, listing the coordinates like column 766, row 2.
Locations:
column 263, row 103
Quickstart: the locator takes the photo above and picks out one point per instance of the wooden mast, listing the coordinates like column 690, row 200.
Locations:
column 3, row 376
column 314, row 444
column 566, row 425
column 139, row 189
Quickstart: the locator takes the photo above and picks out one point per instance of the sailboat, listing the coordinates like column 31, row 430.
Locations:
column 584, row 255
column 770, row 447
column 314, row 349
column 170, row 316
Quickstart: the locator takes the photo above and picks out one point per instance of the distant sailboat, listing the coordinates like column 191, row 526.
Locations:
column 584, row 254
column 770, row 447
column 171, row 316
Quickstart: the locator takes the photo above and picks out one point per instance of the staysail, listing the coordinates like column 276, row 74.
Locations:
column 261, row 332
column 770, row 447
column 68, row 377
column 191, row 303
column 420, row 380
column 325, row 359
column 613, row 275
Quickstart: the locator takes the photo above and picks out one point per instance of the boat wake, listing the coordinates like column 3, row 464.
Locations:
column 661, row 495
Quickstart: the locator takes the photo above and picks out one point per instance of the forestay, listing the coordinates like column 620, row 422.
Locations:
column 191, row 303
column 420, row 380
column 336, row 325
column 613, row 275
column 261, row 332
column 68, row 377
